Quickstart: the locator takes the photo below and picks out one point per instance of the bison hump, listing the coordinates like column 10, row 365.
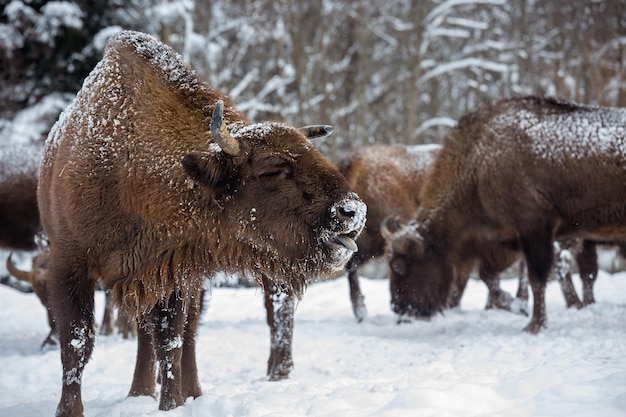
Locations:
column 143, row 49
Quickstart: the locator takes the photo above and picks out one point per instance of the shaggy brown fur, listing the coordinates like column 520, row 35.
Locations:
column 136, row 191
column 514, row 175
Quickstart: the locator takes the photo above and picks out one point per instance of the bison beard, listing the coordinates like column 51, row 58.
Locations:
column 136, row 191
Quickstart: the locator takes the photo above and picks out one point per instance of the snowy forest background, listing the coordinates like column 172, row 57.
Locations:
column 379, row 71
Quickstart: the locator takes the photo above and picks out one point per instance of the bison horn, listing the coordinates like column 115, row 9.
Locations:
column 17, row 273
column 386, row 228
column 316, row 131
column 220, row 134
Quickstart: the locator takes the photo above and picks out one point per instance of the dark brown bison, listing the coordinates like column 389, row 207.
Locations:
column 513, row 176
column 151, row 180
column 19, row 214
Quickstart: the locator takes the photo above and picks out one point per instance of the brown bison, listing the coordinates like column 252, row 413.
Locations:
column 151, row 180
column 514, row 175
column 389, row 178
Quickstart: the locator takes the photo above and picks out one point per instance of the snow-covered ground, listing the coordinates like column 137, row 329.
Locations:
column 470, row 362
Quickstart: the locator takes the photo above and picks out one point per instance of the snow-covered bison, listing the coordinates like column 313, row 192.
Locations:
column 388, row 179
column 514, row 175
column 151, row 181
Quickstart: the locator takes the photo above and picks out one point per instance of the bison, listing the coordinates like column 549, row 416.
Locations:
column 152, row 180
column 19, row 213
column 514, row 176
column 389, row 178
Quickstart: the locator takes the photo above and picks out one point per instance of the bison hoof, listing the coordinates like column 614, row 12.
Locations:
column 280, row 371
column 143, row 392
column 534, row 327
column 587, row 301
column 576, row 304
column 360, row 311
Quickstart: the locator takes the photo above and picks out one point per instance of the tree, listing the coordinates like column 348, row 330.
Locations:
column 47, row 48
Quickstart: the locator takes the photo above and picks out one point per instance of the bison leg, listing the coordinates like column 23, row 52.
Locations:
column 497, row 297
column 563, row 269
column 107, row 318
column 587, row 261
column 167, row 325
column 72, row 303
column 190, row 383
column 126, row 325
column 280, row 308
column 539, row 255
column 53, row 337
column 522, row 286
column 457, row 290
column 356, row 296
column 144, row 382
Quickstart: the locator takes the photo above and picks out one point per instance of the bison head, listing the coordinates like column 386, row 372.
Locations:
column 420, row 276
column 286, row 203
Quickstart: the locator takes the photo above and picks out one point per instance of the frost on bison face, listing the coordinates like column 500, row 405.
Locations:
column 151, row 181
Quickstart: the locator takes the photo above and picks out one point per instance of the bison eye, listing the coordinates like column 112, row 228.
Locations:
column 274, row 171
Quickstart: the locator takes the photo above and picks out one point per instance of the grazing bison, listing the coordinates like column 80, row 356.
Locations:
column 514, row 175
column 404, row 287
column 388, row 179
column 151, row 180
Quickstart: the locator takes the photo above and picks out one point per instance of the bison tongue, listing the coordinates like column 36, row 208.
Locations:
column 347, row 242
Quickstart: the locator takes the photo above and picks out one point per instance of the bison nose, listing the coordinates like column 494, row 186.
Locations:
column 347, row 221
column 349, row 214
column 346, row 213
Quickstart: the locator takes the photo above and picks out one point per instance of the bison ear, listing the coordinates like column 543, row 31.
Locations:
column 316, row 131
column 208, row 170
